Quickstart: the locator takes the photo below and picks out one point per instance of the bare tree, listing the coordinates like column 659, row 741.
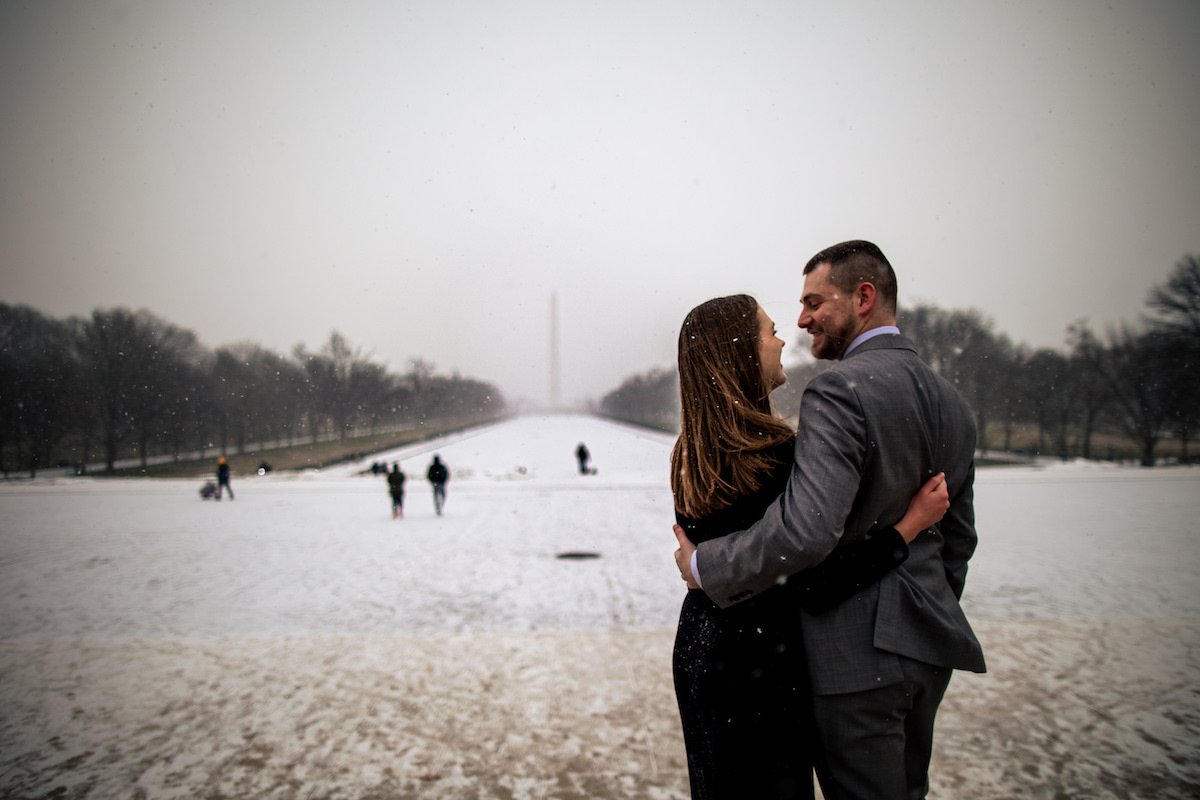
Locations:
column 1175, row 316
column 137, row 382
column 38, row 381
column 315, row 391
column 137, row 367
column 169, row 359
column 110, row 344
column 962, row 347
column 1091, row 395
column 1135, row 368
column 232, row 389
column 1175, row 306
column 1048, row 393
column 650, row 398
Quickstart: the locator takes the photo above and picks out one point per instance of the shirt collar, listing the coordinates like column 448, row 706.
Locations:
column 871, row 334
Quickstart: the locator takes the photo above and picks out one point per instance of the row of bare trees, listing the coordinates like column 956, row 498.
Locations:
column 1139, row 382
column 121, row 383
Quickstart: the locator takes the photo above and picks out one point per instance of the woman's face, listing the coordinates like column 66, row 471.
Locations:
column 770, row 352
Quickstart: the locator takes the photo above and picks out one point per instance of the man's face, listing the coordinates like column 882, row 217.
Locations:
column 827, row 314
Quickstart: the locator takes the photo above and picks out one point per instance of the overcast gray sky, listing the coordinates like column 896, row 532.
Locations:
column 421, row 176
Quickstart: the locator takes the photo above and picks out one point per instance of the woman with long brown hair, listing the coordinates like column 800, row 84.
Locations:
column 740, row 674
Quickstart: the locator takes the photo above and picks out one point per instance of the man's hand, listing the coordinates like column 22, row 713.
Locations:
column 683, row 557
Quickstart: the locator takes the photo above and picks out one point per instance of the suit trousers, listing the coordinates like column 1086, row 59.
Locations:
column 876, row 744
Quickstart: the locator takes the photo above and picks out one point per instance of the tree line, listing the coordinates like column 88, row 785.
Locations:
column 120, row 384
column 1138, row 382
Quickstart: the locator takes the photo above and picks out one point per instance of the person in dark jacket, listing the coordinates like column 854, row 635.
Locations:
column 395, row 481
column 223, row 478
column 583, row 456
column 438, row 475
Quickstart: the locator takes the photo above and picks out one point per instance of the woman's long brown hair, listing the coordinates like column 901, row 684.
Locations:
column 727, row 424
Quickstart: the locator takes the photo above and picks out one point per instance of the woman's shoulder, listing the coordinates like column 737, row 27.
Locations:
column 746, row 509
column 718, row 523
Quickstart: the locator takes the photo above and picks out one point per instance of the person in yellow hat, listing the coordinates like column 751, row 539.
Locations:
column 223, row 478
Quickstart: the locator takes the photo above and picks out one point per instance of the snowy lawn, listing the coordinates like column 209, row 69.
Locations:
column 298, row 642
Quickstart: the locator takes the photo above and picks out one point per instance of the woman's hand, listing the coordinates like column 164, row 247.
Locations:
column 927, row 508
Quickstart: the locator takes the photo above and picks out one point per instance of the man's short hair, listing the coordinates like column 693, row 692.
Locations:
column 854, row 262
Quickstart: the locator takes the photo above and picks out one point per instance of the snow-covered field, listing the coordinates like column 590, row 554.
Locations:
column 298, row 642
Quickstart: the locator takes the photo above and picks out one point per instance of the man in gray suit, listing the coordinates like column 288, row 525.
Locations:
column 872, row 428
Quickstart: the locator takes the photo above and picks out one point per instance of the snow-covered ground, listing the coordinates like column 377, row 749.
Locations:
column 298, row 642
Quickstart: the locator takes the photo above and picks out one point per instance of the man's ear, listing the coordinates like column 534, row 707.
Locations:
column 865, row 298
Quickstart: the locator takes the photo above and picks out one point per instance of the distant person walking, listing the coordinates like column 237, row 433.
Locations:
column 395, row 481
column 438, row 475
column 583, row 456
column 223, row 478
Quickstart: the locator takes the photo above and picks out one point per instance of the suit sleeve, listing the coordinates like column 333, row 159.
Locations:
column 805, row 523
column 958, row 533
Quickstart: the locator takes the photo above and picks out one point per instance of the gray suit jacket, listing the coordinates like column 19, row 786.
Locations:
column 872, row 429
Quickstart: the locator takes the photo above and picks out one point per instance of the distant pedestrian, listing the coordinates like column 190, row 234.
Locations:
column 223, row 478
column 395, row 481
column 583, row 456
column 438, row 475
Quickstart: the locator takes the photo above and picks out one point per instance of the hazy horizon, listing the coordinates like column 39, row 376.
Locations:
column 793, row 355
column 422, row 178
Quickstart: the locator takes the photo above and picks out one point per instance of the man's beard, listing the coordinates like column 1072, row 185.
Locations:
column 833, row 342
